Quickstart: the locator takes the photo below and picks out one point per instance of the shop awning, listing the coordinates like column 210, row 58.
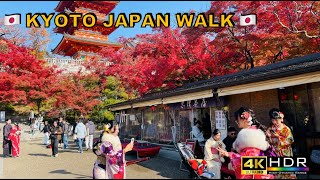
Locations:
column 147, row 103
column 188, row 97
column 120, row 107
column 271, row 84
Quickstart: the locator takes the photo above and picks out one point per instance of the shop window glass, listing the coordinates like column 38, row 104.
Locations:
column 150, row 122
column 184, row 125
column 134, row 126
column 164, row 126
column 314, row 93
column 203, row 115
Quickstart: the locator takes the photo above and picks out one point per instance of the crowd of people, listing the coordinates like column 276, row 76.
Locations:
column 61, row 130
column 55, row 136
column 253, row 139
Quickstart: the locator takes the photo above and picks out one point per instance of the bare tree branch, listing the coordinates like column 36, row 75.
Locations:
column 295, row 29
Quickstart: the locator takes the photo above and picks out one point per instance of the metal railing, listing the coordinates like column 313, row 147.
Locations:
column 68, row 61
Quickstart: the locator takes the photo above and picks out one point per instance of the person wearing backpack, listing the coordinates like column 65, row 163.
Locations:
column 89, row 137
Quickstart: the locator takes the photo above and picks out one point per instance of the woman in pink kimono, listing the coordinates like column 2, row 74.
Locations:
column 110, row 163
column 14, row 137
column 251, row 141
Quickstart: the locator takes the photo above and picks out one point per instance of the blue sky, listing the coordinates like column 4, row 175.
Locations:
column 143, row 7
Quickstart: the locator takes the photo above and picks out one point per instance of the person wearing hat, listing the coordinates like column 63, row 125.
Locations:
column 14, row 137
column 7, row 145
column 110, row 163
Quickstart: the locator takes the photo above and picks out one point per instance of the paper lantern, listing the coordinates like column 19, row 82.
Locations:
column 283, row 97
column 153, row 108
column 296, row 97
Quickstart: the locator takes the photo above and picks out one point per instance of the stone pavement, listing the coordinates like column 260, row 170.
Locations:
column 170, row 154
column 35, row 162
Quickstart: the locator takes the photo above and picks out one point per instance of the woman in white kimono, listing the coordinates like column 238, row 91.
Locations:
column 110, row 163
column 211, row 154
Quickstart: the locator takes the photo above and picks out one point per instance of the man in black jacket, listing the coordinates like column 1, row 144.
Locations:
column 55, row 136
column 7, row 145
column 228, row 141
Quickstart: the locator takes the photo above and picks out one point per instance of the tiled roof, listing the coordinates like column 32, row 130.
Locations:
column 291, row 67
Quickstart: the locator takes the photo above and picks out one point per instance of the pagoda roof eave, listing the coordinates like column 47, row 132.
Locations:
column 54, row 51
column 111, row 29
column 83, row 40
column 91, row 41
column 62, row 4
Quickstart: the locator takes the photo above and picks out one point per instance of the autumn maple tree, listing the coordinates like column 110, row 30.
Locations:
column 162, row 60
column 171, row 57
column 283, row 31
column 78, row 92
column 24, row 80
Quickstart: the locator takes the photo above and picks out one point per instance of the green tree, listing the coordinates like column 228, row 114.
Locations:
column 112, row 93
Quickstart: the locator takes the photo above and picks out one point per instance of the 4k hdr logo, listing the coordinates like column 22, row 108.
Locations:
column 253, row 165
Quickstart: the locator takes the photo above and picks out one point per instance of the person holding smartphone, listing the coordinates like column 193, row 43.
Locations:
column 110, row 163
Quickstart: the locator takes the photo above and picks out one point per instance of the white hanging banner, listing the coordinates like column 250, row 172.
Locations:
column 2, row 116
column 132, row 117
column 221, row 120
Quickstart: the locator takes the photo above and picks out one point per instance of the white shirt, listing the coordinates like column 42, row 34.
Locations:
column 197, row 134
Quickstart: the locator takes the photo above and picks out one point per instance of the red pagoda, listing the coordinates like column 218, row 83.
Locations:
column 81, row 42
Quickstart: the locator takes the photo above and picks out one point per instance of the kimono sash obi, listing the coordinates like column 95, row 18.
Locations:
column 214, row 151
